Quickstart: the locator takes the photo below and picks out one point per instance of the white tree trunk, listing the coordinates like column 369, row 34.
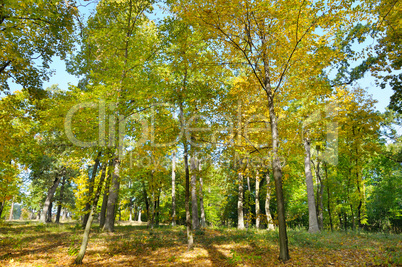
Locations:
column 139, row 214
column 257, row 200
column 312, row 213
column 203, row 224
column 10, row 217
column 240, row 215
column 270, row 224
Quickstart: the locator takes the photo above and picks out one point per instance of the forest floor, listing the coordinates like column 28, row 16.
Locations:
column 35, row 244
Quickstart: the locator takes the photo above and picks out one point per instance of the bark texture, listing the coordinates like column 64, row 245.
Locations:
column 112, row 199
column 45, row 218
column 203, row 223
column 194, row 204
column 174, row 189
column 312, row 213
column 270, row 225
column 240, row 214
column 85, row 237
column 257, row 200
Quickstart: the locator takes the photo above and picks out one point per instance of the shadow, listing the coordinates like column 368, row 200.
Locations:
column 217, row 258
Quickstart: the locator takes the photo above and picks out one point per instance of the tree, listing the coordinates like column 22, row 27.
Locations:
column 272, row 39
column 388, row 31
column 85, row 238
column 33, row 32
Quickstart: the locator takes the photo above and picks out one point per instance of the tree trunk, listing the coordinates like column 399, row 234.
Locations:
column 2, row 204
column 312, row 213
column 102, row 215
column 320, row 195
column 194, row 204
column 11, row 216
column 203, row 224
column 91, row 189
column 64, row 216
column 49, row 213
column 139, row 214
column 190, row 240
column 85, row 237
column 112, row 199
column 157, row 202
column 257, row 200
column 248, row 205
column 270, row 224
column 276, row 164
column 189, row 231
column 144, row 190
column 240, row 214
column 328, row 197
column 321, row 213
column 151, row 218
column 50, row 195
column 174, row 189
column 63, row 181
column 345, row 223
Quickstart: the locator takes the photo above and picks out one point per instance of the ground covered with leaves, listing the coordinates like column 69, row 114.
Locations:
column 35, row 244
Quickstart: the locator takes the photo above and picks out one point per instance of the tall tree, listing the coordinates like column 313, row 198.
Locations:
column 272, row 38
column 194, row 199
column 174, row 189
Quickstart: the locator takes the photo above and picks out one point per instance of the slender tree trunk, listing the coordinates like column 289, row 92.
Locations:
column 63, row 181
column 85, row 237
column 345, row 223
column 91, row 189
column 102, row 215
column 270, row 224
column 328, row 197
column 190, row 240
column 320, row 195
column 248, row 205
column 257, row 200
column 131, row 213
column 240, row 214
column 112, row 199
column 58, row 213
column 276, row 166
column 144, row 190
column 50, row 195
column 157, row 219
column 312, row 213
column 2, row 204
column 64, row 216
column 139, row 214
column 174, row 189
column 353, row 217
column 359, row 222
column 11, row 215
column 151, row 218
column 321, row 213
column 203, row 224
column 189, row 230
column 194, row 204
column 49, row 213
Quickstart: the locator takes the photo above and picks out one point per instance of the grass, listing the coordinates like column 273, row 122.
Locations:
column 35, row 244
